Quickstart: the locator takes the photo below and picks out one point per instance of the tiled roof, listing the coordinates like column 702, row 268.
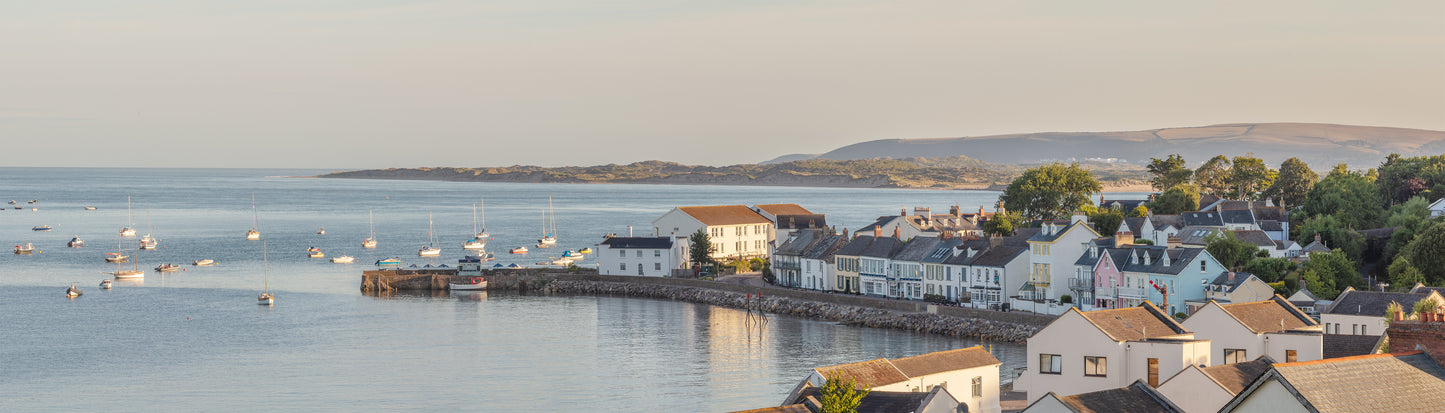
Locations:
column 1270, row 225
column 1284, row 245
column 1317, row 246
column 784, row 209
column 1179, row 258
column 1236, row 377
column 792, row 408
column 1206, row 200
column 1201, row 219
column 802, row 221
column 1269, row 213
column 1239, row 279
column 1196, row 235
column 1137, row 398
column 916, row 249
column 1275, row 315
column 639, row 242
column 1421, row 289
column 943, row 250
column 945, row 361
column 1346, row 345
column 871, row 373
column 1135, row 225
column 1257, row 238
column 1021, row 237
column 1356, row 302
column 883, row 247
column 725, row 215
column 1135, row 323
column 1405, row 382
column 882, row 401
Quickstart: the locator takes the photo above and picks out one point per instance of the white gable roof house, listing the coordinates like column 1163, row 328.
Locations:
column 1206, row 389
column 1053, row 252
column 1082, row 352
column 1437, row 209
column 1241, row 332
column 970, row 374
column 737, row 231
column 1400, row 382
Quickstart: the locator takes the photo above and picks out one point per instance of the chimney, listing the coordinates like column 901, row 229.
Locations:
column 954, row 210
column 994, row 240
column 1231, row 277
column 629, row 231
column 1317, row 237
column 980, row 211
column 1123, row 238
column 902, row 212
column 1079, row 217
column 877, row 231
column 845, row 233
column 1175, row 242
column 896, row 233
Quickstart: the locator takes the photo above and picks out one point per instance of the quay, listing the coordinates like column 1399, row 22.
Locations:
column 918, row 316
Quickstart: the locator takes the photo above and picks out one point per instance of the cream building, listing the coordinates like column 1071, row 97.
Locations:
column 737, row 231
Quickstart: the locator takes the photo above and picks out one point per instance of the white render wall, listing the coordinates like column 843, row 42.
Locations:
column 1194, row 391
column 1270, row 397
column 1073, row 337
column 1213, row 323
column 756, row 242
column 610, row 261
column 1350, row 324
column 1307, row 347
column 1063, row 251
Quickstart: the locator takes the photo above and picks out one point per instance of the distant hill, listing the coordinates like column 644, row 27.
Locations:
column 1320, row 145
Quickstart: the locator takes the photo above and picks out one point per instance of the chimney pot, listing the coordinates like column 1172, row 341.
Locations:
column 877, row 232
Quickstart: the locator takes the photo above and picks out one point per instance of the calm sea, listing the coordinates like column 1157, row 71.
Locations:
column 194, row 340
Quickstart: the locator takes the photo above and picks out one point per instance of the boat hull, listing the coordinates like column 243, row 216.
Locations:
column 471, row 283
column 126, row 275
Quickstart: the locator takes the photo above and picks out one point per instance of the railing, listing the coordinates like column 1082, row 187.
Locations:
column 1039, row 283
column 1081, row 284
column 784, row 265
column 1105, row 293
column 1136, row 292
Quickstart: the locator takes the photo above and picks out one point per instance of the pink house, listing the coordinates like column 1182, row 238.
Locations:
column 1111, row 289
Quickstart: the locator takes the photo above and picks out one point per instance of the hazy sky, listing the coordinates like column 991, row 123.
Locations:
column 349, row 84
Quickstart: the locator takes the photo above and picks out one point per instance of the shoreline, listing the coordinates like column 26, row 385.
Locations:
column 1108, row 189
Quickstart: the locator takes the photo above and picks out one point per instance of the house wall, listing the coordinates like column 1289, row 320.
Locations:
column 1252, row 290
column 1351, row 324
column 1307, row 347
column 1049, row 404
column 1194, row 391
column 1072, row 337
column 1058, row 256
column 1173, row 357
column 959, row 384
column 732, row 241
column 1224, row 332
column 941, row 402
column 1107, row 279
column 845, row 273
column 817, row 275
column 1270, row 397
column 654, row 262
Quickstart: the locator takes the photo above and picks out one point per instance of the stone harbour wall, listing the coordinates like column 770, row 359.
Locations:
column 974, row 327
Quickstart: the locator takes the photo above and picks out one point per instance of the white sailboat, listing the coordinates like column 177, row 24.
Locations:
column 127, row 231
column 124, row 274
column 118, row 256
column 254, row 233
column 479, row 241
column 147, row 242
column 549, row 235
column 265, row 297
column 370, row 241
column 430, row 249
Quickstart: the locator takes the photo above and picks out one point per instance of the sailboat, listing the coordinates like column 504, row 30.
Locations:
column 117, row 256
column 253, row 233
column 430, row 249
column 479, row 241
column 147, row 242
column 370, row 241
column 549, row 237
column 124, row 274
column 127, row 231
column 265, row 297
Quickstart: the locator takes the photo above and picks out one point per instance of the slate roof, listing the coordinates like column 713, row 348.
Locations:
column 1171, row 220
column 998, row 256
column 639, row 242
column 1135, row 225
column 1201, row 219
column 1193, row 235
column 946, row 361
column 1275, row 315
column 1125, row 205
column 1101, row 246
column 1317, row 246
column 943, row 250
column 1270, row 225
column 1373, row 303
column 1021, row 237
column 1179, row 258
column 871, row 373
column 1207, row 200
column 1237, row 216
column 1142, row 322
column 1403, row 382
column 1284, row 245
column 824, row 248
column 1136, row 398
column 1269, row 213
column 916, row 249
column 883, row 247
column 1063, row 229
column 725, row 215
column 856, row 246
column 792, row 408
column 802, row 221
column 1237, row 376
column 779, row 210
column 1422, row 289
column 1347, row 345
column 1256, row 237
column 796, row 244
column 1229, row 286
column 876, row 401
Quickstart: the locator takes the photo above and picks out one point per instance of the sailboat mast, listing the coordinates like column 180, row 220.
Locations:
column 474, row 218
column 128, row 220
column 371, row 223
column 484, row 213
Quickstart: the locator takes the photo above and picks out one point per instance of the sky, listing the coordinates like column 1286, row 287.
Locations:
column 354, row 84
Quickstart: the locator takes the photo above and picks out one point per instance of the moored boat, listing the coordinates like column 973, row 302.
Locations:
column 479, row 240
column 430, row 249
column 75, row 242
column 203, row 262
column 253, row 234
column 344, row 259
column 73, row 291
column 116, row 257
column 469, row 275
column 314, row 252
column 167, row 268
column 585, row 251
column 42, row 228
column 128, row 274
column 89, row 208
column 573, row 255
column 321, row 231
column 388, row 261
column 128, row 230
column 105, row 284
column 25, row 249
column 518, row 250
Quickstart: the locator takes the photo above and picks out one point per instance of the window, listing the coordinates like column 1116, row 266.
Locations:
column 1290, row 356
column 1234, row 355
column 1153, row 372
column 1051, row 364
column 1362, row 329
column 639, row 269
column 622, row 253
column 978, row 386
column 622, row 266
column 1202, row 265
column 1355, row 329
column 639, row 253
column 657, row 266
column 657, row 253
column 1095, row 366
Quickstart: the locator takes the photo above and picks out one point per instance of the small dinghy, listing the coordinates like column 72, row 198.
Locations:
column 518, row 250
column 203, row 263
column 75, row 242
column 42, row 228
column 314, row 252
column 344, row 259
column 168, row 268
column 25, row 249
column 321, row 231
column 73, row 291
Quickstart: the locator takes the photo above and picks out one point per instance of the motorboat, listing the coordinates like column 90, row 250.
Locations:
column 585, row 251
column 168, row 268
column 467, row 283
column 25, row 249
column 42, row 228
column 572, row 255
column 562, row 262
column 314, row 252
column 388, row 261
column 518, row 250
column 203, row 263
column 75, row 242
column 321, row 231
column 89, row 208
column 116, row 257
column 105, row 284
column 344, row 259
column 73, row 291
column 149, row 243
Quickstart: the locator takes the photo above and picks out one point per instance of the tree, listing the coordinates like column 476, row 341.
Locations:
column 1213, row 176
column 701, row 249
column 1139, row 212
column 1180, row 198
column 1104, row 220
column 1427, row 253
column 1051, row 191
column 1168, row 172
column 1403, row 178
column 1270, row 269
column 1332, row 271
column 1293, row 184
column 1231, row 251
column 1351, row 196
column 839, row 396
column 1407, row 219
column 1250, row 176
column 1002, row 224
column 1403, row 274
column 1335, row 234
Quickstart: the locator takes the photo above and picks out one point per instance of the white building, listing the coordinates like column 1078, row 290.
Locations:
column 970, row 374
column 737, row 231
column 1437, row 209
column 645, row 256
column 1404, row 382
column 789, row 219
column 1234, row 287
column 1241, row 332
column 1081, row 352
column 1206, row 389
column 1357, row 312
column 1137, row 397
column 818, row 269
column 1052, row 254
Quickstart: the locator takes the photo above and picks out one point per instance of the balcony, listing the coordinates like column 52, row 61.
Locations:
column 1039, row 283
column 1081, row 284
column 785, row 265
column 1136, row 292
column 1104, row 293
